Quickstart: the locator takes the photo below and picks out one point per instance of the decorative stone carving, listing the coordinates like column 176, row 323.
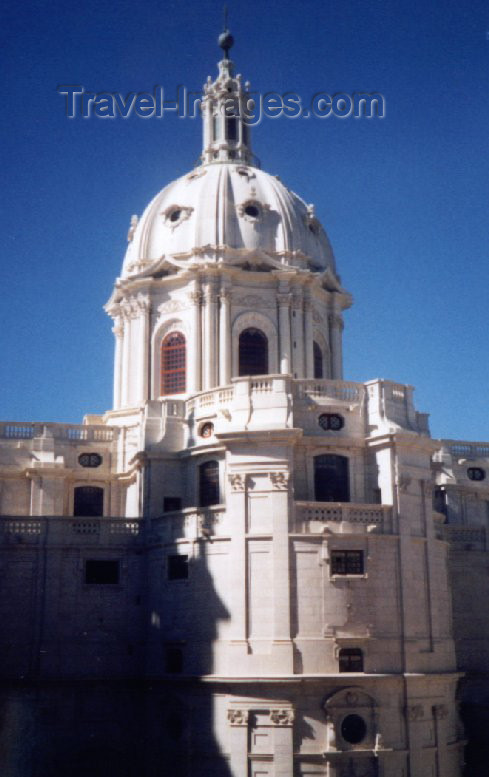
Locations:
column 132, row 228
column 172, row 306
column 317, row 317
column 195, row 297
column 253, row 301
column 284, row 299
column 238, row 717
column 440, row 711
column 282, row 717
column 414, row 712
column 237, row 482
column 279, row 480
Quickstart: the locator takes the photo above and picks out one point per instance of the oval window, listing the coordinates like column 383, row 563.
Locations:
column 353, row 729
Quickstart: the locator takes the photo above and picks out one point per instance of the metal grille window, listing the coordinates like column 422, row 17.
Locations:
column 318, row 361
column 347, row 562
column 331, row 478
column 173, row 364
column 88, row 502
column 351, row 660
column 209, row 484
column 253, row 352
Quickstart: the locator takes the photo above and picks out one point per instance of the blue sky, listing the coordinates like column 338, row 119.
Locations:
column 403, row 199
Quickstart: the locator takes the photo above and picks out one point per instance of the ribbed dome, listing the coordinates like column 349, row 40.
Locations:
column 229, row 213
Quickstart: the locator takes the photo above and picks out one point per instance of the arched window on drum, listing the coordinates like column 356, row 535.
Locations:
column 318, row 361
column 253, row 352
column 173, row 364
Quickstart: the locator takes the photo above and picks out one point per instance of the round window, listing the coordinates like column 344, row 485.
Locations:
column 207, row 429
column 476, row 473
column 175, row 215
column 353, row 729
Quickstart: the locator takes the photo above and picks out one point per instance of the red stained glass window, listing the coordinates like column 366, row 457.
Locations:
column 173, row 363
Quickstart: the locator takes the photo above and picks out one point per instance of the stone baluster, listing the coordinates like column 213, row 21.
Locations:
column 284, row 332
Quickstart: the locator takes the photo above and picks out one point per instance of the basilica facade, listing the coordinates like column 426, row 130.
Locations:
column 249, row 566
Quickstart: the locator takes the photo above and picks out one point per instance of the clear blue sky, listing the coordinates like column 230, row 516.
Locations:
column 404, row 200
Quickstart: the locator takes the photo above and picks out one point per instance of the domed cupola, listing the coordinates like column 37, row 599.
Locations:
column 227, row 210
column 225, row 262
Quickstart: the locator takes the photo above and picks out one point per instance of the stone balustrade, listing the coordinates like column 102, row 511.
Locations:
column 191, row 523
column 465, row 537
column 467, row 450
column 312, row 517
column 15, row 430
column 71, row 531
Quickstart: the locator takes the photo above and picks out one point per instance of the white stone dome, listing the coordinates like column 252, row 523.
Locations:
column 231, row 213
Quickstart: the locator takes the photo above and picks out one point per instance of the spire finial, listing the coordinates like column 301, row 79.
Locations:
column 225, row 39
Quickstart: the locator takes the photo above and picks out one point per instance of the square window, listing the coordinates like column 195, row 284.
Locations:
column 101, row 571
column 347, row 562
column 177, row 567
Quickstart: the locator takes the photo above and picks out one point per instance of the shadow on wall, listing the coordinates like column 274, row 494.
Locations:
column 157, row 721
column 475, row 718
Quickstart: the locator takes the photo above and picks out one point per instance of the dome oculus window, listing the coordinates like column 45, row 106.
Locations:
column 252, row 210
column 175, row 214
column 476, row 473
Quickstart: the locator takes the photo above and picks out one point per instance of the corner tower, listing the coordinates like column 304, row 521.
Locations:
column 227, row 272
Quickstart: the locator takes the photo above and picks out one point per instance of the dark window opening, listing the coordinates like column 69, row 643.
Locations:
column 232, row 128
column 173, row 364
column 331, row 478
column 177, row 567
column 347, row 562
column 318, row 361
column 101, row 571
column 253, row 353
column 171, row 503
column 351, row 660
column 440, row 500
column 88, row 502
column 175, row 214
column 209, row 484
column 174, row 660
column 353, row 729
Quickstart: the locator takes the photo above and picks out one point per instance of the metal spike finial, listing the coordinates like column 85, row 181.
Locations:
column 225, row 39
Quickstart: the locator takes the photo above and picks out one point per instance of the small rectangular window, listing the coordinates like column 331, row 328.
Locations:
column 171, row 503
column 347, row 562
column 174, row 660
column 101, row 571
column 177, row 567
